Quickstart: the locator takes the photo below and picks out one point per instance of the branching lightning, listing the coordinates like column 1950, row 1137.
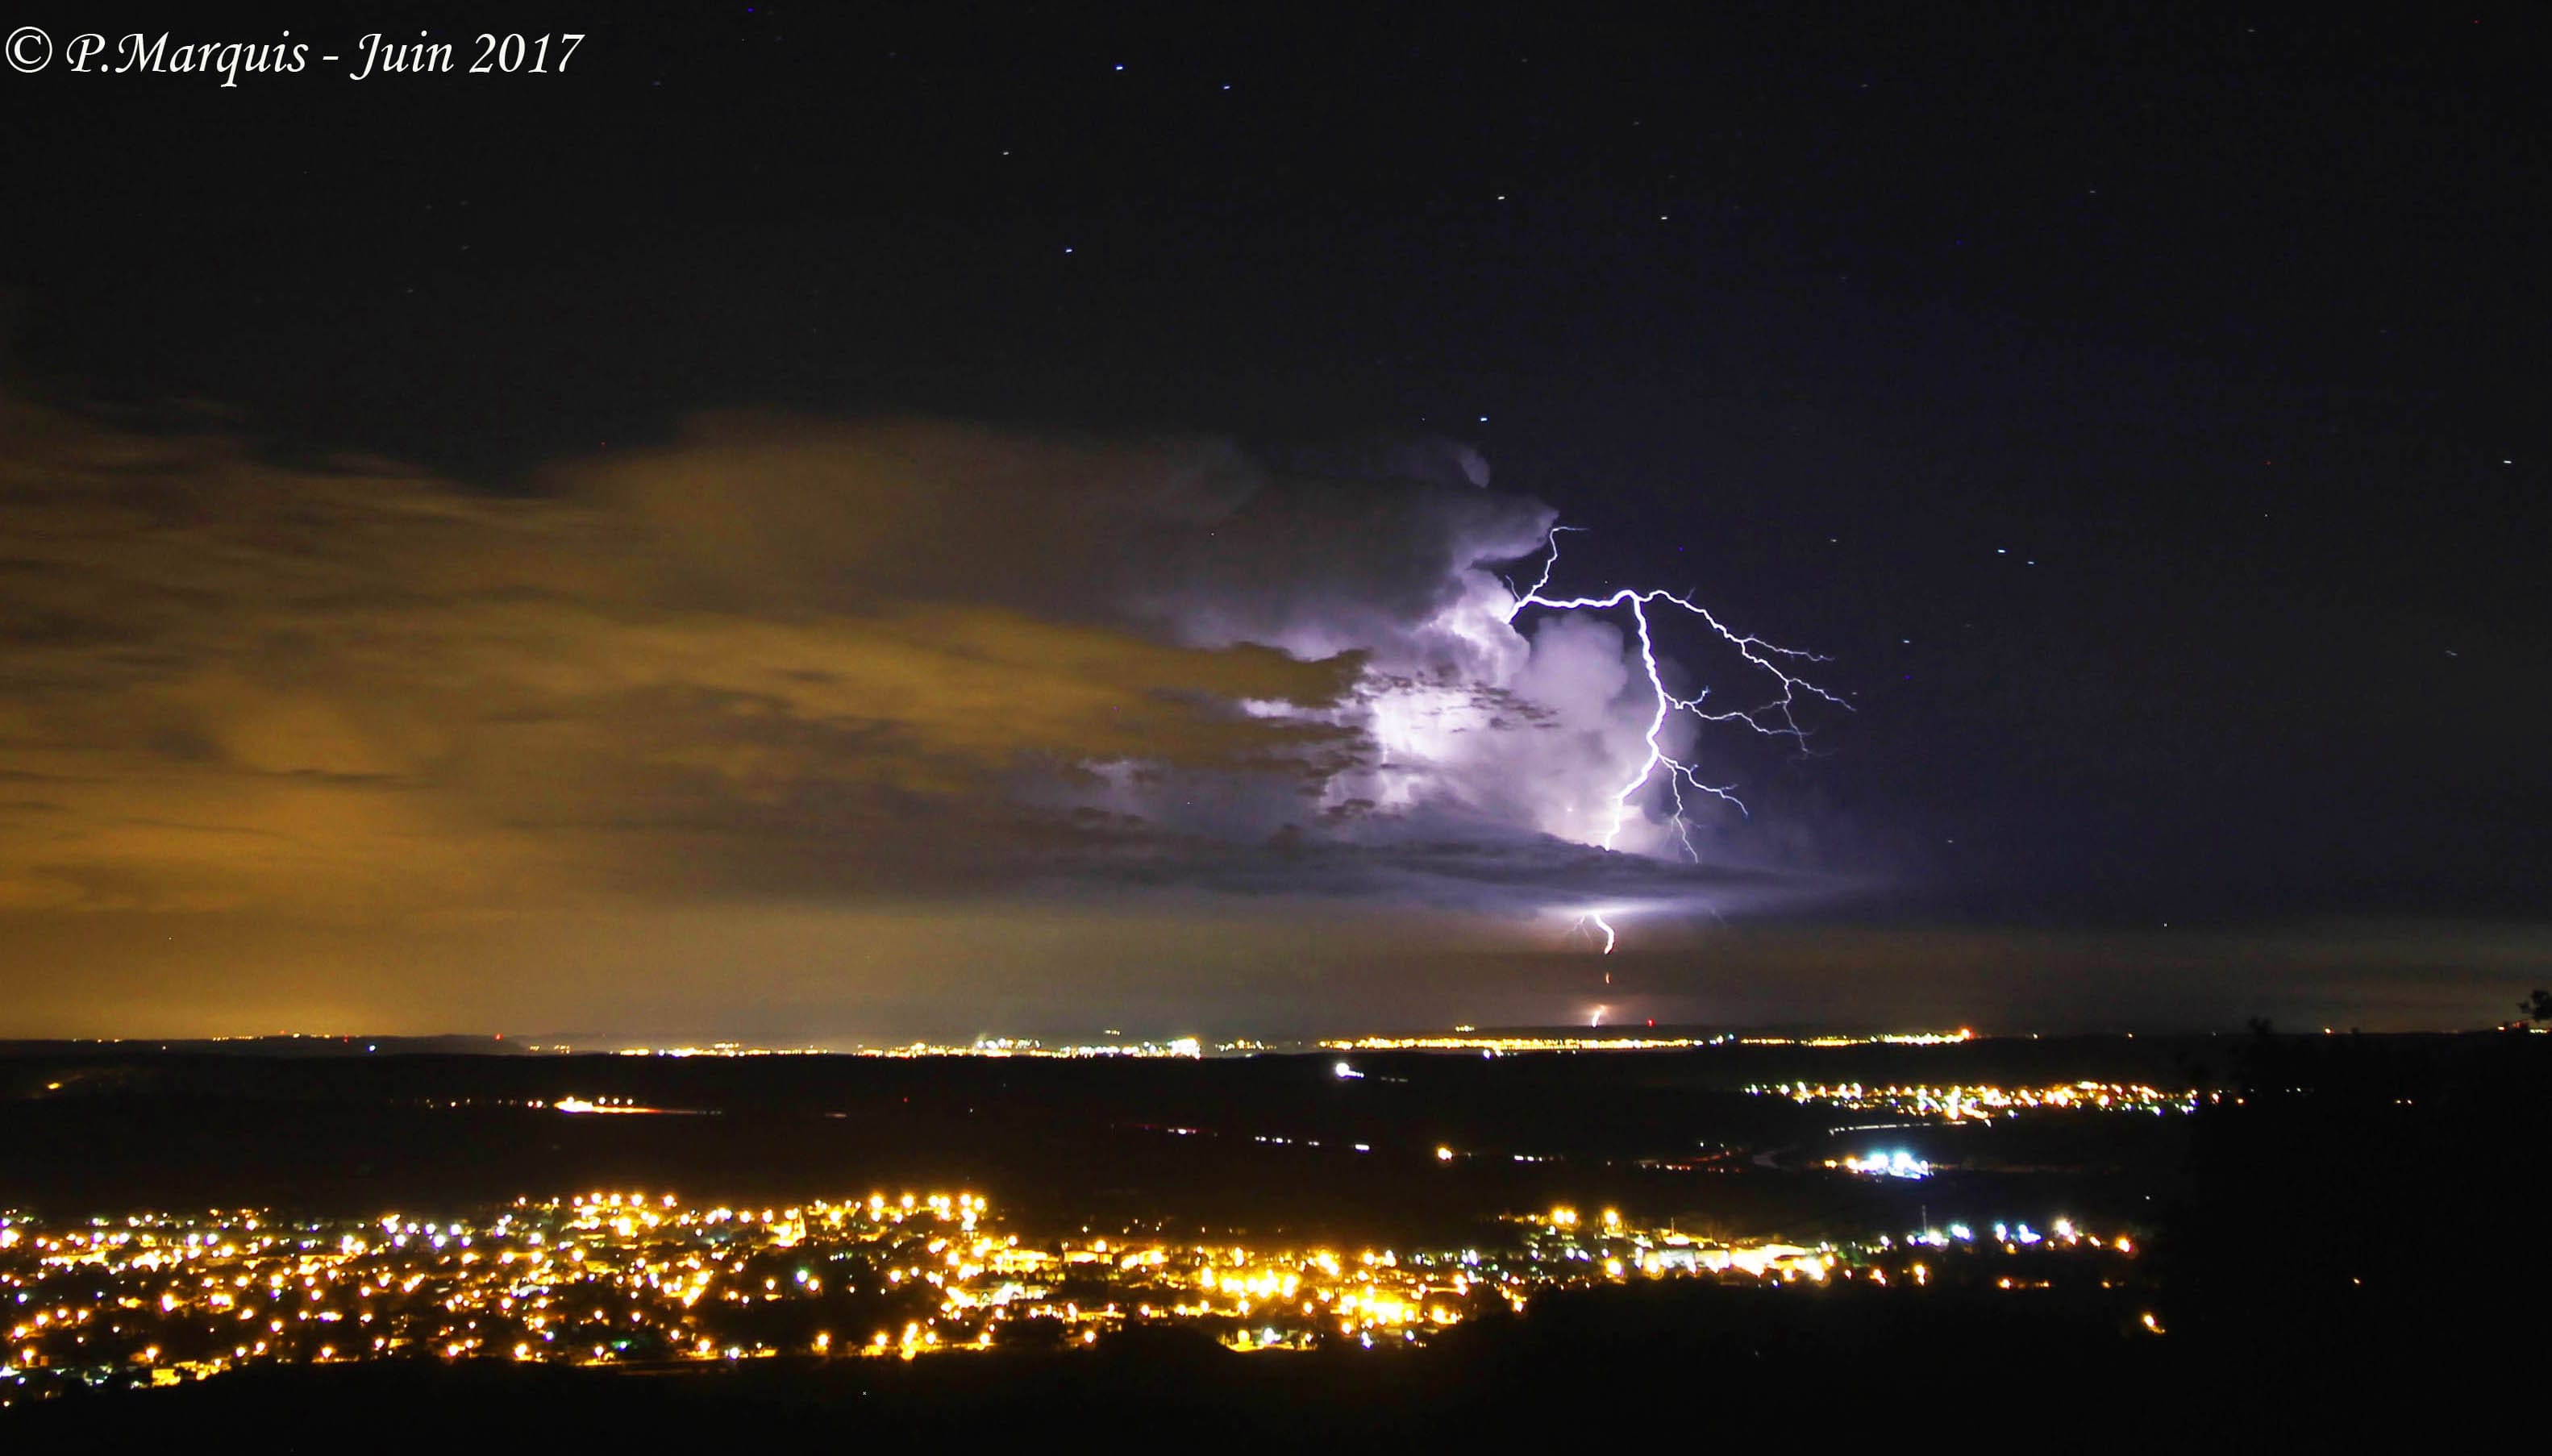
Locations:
column 1777, row 719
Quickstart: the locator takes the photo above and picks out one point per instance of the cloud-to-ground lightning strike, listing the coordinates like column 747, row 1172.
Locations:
column 1777, row 718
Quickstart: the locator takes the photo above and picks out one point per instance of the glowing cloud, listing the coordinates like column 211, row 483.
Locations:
column 1499, row 712
column 1777, row 717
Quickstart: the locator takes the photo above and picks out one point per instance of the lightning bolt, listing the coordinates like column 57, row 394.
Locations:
column 1777, row 718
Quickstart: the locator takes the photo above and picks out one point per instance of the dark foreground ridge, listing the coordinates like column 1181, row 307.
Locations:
column 1691, row 1359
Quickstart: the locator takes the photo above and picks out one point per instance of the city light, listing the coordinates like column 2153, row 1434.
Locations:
column 1464, row 1039
column 642, row 1278
column 1898, row 1164
column 1984, row 1102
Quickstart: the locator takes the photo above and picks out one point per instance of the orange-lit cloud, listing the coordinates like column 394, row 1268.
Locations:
column 357, row 692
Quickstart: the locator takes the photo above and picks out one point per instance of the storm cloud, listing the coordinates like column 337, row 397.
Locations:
column 781, row 661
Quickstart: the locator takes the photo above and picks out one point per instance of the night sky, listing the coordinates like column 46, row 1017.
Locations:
column 837, row 522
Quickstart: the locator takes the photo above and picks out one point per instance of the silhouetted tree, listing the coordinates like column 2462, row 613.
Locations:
column 2538, row 1006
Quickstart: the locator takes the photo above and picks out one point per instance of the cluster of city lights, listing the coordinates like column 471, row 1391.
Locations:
column 987, row 1046
column 1898, row 1164
column 630, row 1278
column 1177, row 1046
column 1464, row 1039
column 1983, row 1103
column 1506, row 1045
column 2012, row 1238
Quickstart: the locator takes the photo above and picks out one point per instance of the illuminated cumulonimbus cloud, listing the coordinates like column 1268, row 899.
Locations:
column 1490, row 702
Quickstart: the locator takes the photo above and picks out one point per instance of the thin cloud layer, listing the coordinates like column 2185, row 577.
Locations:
column 235, row 684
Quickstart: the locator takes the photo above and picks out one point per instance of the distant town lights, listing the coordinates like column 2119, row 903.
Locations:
column 1897, row 1163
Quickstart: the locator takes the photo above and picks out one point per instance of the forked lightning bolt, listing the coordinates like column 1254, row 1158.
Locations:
column 1777, row 718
